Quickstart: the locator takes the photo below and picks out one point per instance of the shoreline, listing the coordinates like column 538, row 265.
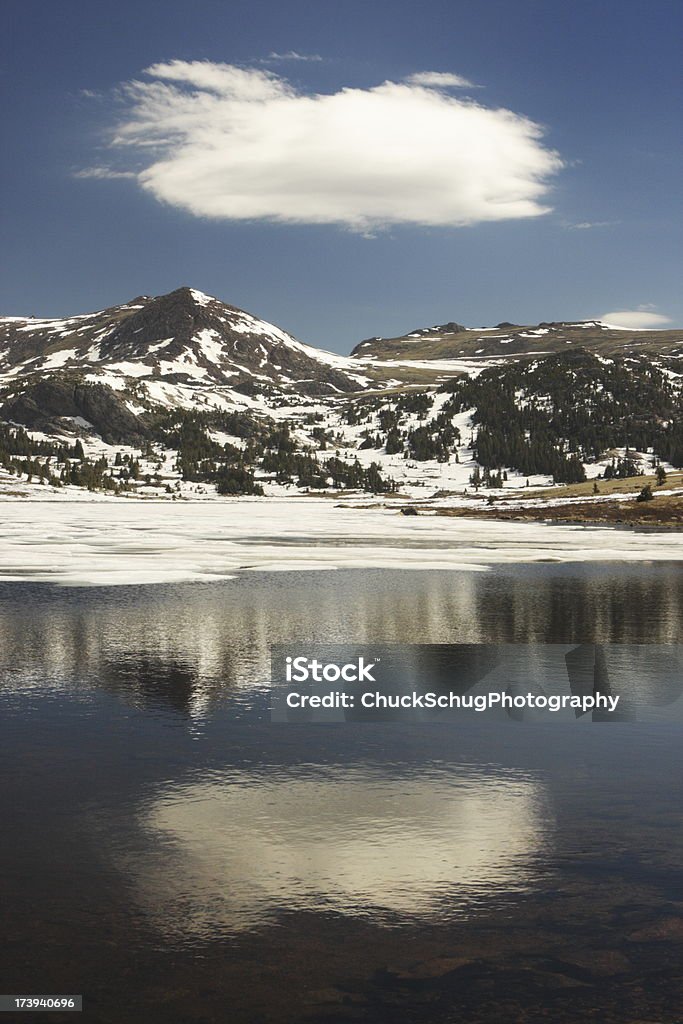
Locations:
column 657, row 515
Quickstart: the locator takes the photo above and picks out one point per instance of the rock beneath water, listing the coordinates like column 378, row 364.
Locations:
column 668, row 929
column 437, row 967
column 600, row 962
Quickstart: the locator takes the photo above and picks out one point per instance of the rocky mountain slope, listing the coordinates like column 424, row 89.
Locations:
column 181, row 338
column 453, row 341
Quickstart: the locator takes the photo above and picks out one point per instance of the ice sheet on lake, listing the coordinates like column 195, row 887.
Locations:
column 118, row 542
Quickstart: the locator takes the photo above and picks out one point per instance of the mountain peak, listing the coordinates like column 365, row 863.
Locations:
column 188, row 294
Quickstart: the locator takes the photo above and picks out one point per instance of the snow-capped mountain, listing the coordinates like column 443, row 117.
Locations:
column 183, row 338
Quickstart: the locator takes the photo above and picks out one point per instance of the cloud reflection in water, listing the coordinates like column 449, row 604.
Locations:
column 227, row 854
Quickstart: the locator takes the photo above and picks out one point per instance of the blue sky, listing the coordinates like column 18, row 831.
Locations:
column 308, row 192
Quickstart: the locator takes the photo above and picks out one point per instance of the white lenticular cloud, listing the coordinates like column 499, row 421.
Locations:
column 638, row 319
column 233, row 143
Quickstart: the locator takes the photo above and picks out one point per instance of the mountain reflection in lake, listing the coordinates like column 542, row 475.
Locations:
column 176, row 857
column 189, row 643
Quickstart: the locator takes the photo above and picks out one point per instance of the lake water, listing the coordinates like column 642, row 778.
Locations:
column 175, row 857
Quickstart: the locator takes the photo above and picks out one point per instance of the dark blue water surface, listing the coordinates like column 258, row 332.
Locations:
column 173, row 856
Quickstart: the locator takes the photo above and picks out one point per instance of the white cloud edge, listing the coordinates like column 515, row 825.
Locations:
column 276, row 58
column 587, row 225
column 440, row 80
column 103, row 173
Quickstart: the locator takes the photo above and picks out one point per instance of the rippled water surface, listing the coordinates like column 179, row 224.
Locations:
column 174, row 856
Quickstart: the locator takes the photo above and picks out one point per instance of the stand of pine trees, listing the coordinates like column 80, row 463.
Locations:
column 551, row 415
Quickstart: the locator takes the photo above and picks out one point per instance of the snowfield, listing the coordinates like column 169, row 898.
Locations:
column 104, row 543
